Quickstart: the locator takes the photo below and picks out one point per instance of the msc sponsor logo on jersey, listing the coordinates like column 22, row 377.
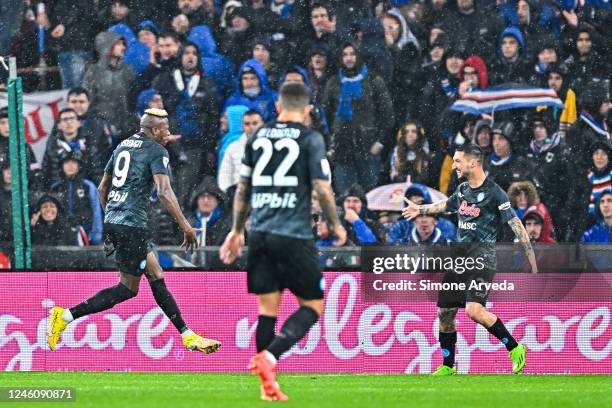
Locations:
column 467, row 225
column 273, row 200
column 504, row 206
column 131, row 143
column 117, row 197
column 469, row 210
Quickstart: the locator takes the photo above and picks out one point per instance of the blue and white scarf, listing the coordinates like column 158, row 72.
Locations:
column 599, row 128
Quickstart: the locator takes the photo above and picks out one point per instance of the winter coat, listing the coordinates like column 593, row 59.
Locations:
column 503, row 71
column 57, row 148
column 547, row 227
column 77, row 17
column 110, row 87
column 195, row 117
column 79, row 197
column 219, row 223
column 264, row 102
column 516, row 168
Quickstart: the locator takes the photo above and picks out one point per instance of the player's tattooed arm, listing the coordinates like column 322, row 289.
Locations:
column 104, row 189
column 241, row 205
column 413, row 209
column 520, row 232
column 328, row 205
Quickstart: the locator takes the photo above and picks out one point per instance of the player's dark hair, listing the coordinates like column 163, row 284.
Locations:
column 471, row 149
column 294, row 96
column 4, row 113
column 77, row 90
column 66, row 110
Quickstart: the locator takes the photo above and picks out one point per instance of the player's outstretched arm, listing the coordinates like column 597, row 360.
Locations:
column 104, row 189
column 413, row 209
column 328, row 205
column 520, row 232
column 232, row 246
column 167, row 197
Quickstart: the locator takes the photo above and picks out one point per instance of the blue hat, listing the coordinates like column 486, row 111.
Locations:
column 143, row 99
column 400, row 3
column 149, row 26
column 567, row 4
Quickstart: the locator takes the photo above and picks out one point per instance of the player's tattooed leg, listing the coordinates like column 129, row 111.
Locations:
column 447, row 319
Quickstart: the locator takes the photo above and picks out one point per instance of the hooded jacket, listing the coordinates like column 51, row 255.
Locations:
column 53, row 234
column 364, row 231
column 502, row 70
column 192, row 110
column 481, row 69
column 219, row 223
column 547, row 227
column 600, row 232
column 109, row 86
column 264, row 102
column 233, row 135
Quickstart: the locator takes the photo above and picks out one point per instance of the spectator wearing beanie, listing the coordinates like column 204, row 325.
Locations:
column 411, row 156
column 49, row 226
column 600, row 176
column 79, row 197
column 263, row 52
column 601, row 231
column 549, row 159
column 359, row 228
column 586, row 63
column 482, row 137
column 236, row 40
column 505, row 165
column 547, row 54
column 318, row 71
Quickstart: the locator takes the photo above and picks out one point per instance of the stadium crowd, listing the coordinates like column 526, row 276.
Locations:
column 382, row 76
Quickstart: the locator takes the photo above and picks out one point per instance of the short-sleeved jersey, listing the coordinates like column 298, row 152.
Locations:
column 132, row 166
column 280, row 161
column 480, row 211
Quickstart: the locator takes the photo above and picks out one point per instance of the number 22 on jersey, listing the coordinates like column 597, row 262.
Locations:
column 279, row 177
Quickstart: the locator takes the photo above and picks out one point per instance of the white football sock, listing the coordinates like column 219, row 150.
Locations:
column 67, row 316
column 187, row 332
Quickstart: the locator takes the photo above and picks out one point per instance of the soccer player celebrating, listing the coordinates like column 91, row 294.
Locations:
column 283, row 162
column 481, row 206
column 136, row 164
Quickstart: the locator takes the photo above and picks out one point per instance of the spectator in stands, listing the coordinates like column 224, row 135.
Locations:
column 79, row 197
column 233, row 117
column 591, row 126
column 401, row 231
column 360, row 229
column 73, row 35
column 68, row 136
column 235, row 41
column 149, row 98
column 549, row 160
column 585, row 63
column 473, row 26
column 252, row 90
column 425, row 231
column 538, row 229
column 473, row 75
column 99, row 134
column 190, row 99
column 405, row 51
column 110, row 84
column 411, row 156
column 230, row 162
column 318, row 72
column 511, row 62
column 33, row 165
column 441, row 90
column 601, row 231
column 557, row 79
column 322, row 32
column 546, row 55
column 600, row 176
column 505, row 164
column 194, row 13
column 262, row 51
column 482, row 135
column 361, row 115
column 163, row 57
column 523, row 196
column 49, row 226
column 208, row 210
column 117, row 12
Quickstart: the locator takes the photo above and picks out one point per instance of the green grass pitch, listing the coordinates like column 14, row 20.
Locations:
column 173, row 390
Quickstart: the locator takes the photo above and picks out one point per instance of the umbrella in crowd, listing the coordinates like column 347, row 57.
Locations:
column 390, row 197
column 505, row 97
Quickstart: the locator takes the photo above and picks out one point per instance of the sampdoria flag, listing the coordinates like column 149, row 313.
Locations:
column 505, row 97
